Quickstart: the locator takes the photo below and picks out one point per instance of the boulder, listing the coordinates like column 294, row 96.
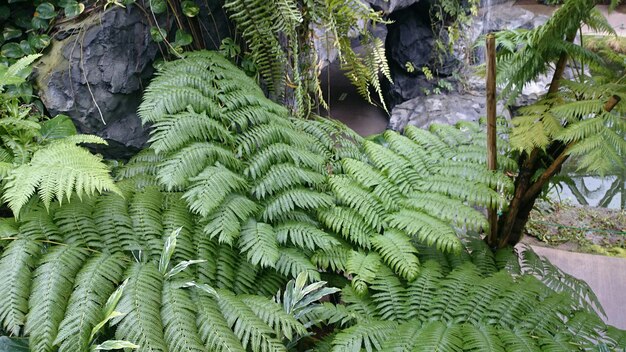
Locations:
column 389, row 6
column 95, row 71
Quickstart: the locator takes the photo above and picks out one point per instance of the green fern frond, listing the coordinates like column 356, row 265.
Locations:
column 359, row 199
column 225, row 221
column 94, row 283
column 292, row 199
column 283, row 323
column 390, row 297
column 180, row 332
column 426, row 228
column 17, row 264
column 258, row 241
column 364, row 266
column 447, row 209
column 303, row 235
column 179, row 130
column 369, row 336
column 283, row 176
column 348, row 223
column 145, row 214
column 293, row 262
column 251, row 330
column 214, row 330
column 282, row 153
column 75, row 222
column 51, row 289
column 397, row 251
column 141, row 303
column 177, row 171
column 56, row 172
column 333, row 258
column 211, row 187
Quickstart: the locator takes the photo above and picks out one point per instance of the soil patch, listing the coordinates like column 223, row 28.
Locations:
column 578, row 228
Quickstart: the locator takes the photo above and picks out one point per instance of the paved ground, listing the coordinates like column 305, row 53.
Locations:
column 605, row 275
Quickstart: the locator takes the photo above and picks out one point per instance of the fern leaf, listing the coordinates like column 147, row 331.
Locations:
column 447, row 209
column 348, row 223
column 181, row 333
column 94, row 283
column 16, row 265
column 303, row 235
column 113, row 223
column 52, row 285
column 251, row 330
column 145, row 213
column 283, row 176
column 369, row 336
column 225, row 222
column 210, row 188
column 358, row 199
column 178, row 169
column 518, row 341
column 364, row 267
column 390, row 297
column 214, row 330
column 427, row 229
column 258, row 241
column 75, row 222
column 292, row 199
column 436, row 336
column 396, row 250
column 278, row 153
column 56, row 172
column 293, row 262
column 422, row 291
column 178, row 130
column 283, row 323
column 141, row 303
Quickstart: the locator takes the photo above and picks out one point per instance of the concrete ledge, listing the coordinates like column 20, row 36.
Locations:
column 605, row 275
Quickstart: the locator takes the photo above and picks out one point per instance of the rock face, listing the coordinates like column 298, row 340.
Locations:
column 410, row 47
column 95, row 72
column 407, row 96
column 389, row 6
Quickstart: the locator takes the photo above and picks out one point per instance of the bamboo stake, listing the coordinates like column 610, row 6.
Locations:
column 491, row 126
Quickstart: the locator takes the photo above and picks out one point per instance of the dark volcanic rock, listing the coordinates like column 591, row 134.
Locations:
column 95, row 73
column 410, row 47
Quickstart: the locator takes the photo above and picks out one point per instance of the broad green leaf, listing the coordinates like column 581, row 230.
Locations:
column 115, row 345
column 58, row 127
column 13, row 344
column 11, row 33
column 158, row 34
column 38, row 41
column 182, row 38
column 168, row 249
column 38, row 23
column 158, row 6
column 45, row 11
column 74, row 9
column 12, row 50
column 190, row 9
column 5, row 12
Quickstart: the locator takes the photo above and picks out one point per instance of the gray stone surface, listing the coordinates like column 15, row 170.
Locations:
column 443, row 109
column 95, row 72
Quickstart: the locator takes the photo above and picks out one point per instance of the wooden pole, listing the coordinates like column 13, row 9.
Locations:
column 492, row 150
